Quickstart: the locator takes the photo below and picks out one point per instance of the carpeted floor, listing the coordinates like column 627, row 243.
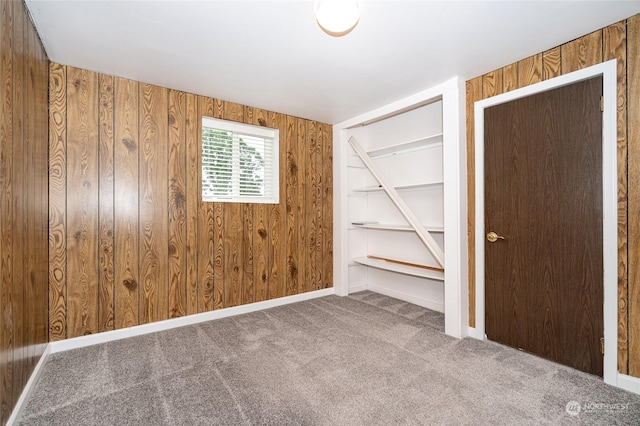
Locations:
column 365, row 359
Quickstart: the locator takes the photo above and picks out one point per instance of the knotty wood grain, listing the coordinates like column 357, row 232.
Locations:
column 530, row 70
column 615, row 46
column 106, row 205
column 153, row 227
column 492, row 83
column 192, row 197
column 327, row 206
column 277, row 220
column 582, row 52
column 126, row 228
column 218, row 232
column 633, row 90
column 311, row 205
column 303, row 192
column 292, row 200
column 57, row 202
column 177, row 205
column 317, row 192
column 205, row 234
column 82, row 202
column 551, row 63
column 247, row 233
column 473, row 94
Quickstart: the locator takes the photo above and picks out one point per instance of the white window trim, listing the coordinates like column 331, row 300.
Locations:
column 249, row 129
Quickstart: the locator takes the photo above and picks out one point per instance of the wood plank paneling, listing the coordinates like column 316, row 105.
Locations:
column 510, row 77
column 492, row 83
column 82, row 202
column 154, row 274
column 126, row 154
column 177, row 205
column 582, row 52
column 192, row 197
column 174, row 254
column 633, row 99
column 473, row 94
column 106, row 205
column 551, row 63
column 530, row 70
column 327, row 206
column 7, row 347
column 615, row 47
column 57, row 202
column 208, row 274
column 292, row 200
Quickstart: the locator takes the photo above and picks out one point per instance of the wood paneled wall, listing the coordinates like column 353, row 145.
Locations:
column 131, row 242
column 619, row 41
column 23, row 202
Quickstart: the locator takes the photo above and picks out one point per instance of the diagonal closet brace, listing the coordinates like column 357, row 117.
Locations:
column 408, row 214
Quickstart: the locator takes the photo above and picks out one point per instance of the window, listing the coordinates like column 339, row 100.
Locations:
column 239, row 162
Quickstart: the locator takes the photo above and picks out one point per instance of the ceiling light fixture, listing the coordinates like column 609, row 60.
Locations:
column 337, row 17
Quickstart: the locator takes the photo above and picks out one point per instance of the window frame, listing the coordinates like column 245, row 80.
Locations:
column 267, row 133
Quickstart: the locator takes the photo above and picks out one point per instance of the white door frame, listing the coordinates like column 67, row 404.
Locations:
column 609, row 199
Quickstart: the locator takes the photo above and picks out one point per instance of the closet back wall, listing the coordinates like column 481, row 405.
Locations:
column 131, row 242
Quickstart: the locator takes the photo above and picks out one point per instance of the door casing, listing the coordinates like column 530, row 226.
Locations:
column 609, row 200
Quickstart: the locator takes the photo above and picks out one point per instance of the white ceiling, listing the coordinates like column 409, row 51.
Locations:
column 272, row 55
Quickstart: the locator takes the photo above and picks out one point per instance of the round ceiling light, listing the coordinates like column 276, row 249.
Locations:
column 337, row 17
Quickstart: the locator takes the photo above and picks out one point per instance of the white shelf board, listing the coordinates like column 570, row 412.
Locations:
column 427, row 142
column 402, row 269
column 390, row 227
column 400, row 187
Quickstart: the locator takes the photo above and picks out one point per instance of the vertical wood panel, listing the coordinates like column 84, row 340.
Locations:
column 192, row 196
column 473, row 94
column 633, row 99
column 233, row 232
column 510, row 77
column 303, row 188
column 205, row 234
column 57, row 202
column 277, row 221
column 260, row 231
column 316, row 211
column 218, row 233
column 82, row 202
column 327, row 206
column 530, row 70
column 247, row 232
column 310, row 205
column 154, row 305
column 615, row 46
column 19, row 66
column 492, row 83
column 106, row 227
column 551, row 63
column 126, row 154
column 6, row 210
column 582, row 52
column 177, row 205
column 292, row 200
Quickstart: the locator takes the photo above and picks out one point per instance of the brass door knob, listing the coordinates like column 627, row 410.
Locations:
column 493, row 237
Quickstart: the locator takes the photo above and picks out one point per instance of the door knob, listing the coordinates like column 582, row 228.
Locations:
column 493, row 237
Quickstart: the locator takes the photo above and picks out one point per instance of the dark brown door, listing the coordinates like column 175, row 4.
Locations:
column 543, row 194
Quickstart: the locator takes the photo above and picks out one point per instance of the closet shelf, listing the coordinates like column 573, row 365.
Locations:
column 390, row 227
column 402, row 269
column 428, row 142
column 400, row 187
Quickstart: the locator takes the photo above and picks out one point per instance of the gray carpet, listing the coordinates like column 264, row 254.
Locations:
column 365, row 359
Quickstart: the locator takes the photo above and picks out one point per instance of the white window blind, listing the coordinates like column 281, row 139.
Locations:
column 239, row 162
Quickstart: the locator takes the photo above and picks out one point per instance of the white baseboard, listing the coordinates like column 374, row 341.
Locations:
column 628, row 383
column 357, row 287
column 108, row 336
column 473, row 332
column 28, row 388
column 425, row 303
